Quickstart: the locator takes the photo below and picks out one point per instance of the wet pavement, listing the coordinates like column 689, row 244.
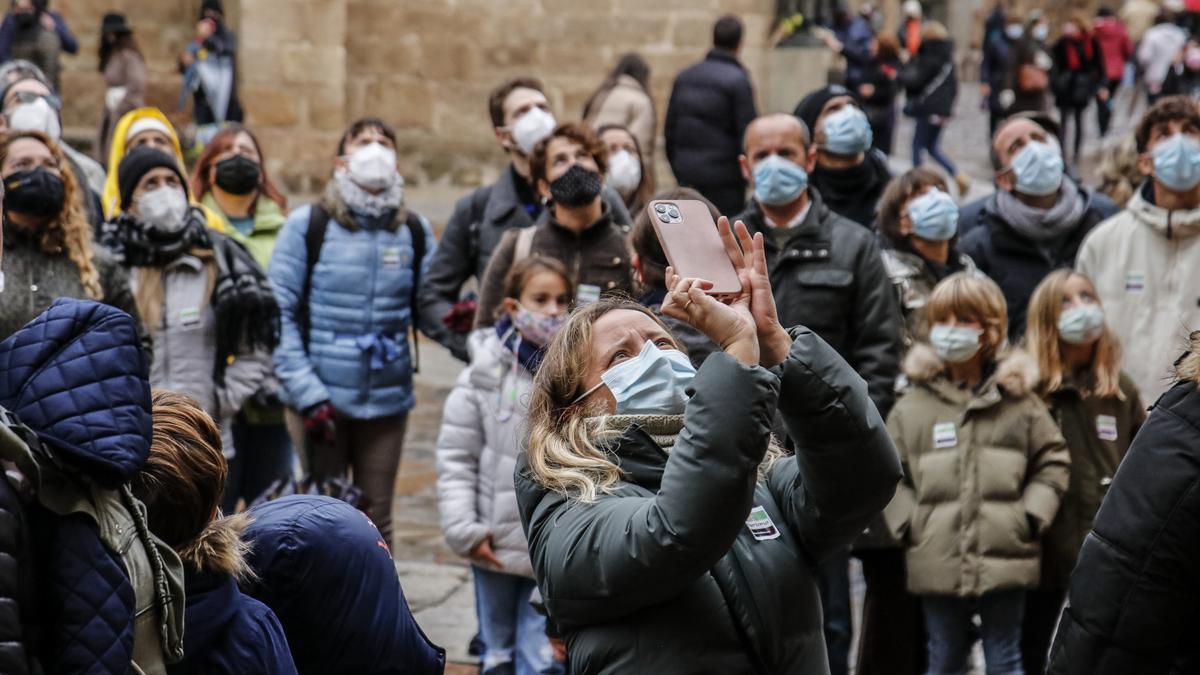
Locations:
column 437, row 582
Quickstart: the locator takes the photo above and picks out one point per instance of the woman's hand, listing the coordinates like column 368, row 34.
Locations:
column 749, row 257
column 484, row 555
column 730, row 325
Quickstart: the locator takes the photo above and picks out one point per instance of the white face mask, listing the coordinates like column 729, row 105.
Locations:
column 624, row 172
column 36, row 116
column 373, row 166
column 532, row 127
column 164, row 207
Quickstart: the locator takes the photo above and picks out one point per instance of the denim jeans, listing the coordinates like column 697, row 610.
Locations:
column 513, row 633
column 263, row 454
column 948, row 620
column 925, row 137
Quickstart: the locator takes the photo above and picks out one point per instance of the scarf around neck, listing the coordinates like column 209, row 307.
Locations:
column 138, row 243
column 361, row 201
column 1044, row 226
column 528, row 354
column 664, row 429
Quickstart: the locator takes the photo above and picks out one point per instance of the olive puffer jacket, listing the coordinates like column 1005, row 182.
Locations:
column 984, row 474
column 663, row 573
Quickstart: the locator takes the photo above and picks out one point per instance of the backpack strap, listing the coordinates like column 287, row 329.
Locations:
column 314, row 238
column 524, row 243
column 416, row 232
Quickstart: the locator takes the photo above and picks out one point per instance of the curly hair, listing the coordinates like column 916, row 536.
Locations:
column 69, row 232
column 1169, row 109
column 572, row 131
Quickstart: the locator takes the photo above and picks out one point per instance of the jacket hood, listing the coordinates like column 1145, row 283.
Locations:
column 77, row 376
column 220, row 548
column 1170, row 224
column 1187, row 368
column 1016, row 369
column 112, row 193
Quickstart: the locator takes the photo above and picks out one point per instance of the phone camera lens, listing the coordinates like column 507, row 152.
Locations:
column 664, row 217
column 673, row 212
column 661, row 208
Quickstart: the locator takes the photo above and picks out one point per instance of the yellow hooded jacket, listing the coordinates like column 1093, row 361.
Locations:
column 111, row 199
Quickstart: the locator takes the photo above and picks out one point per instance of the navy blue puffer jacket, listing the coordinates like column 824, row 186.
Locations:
column 322, row 567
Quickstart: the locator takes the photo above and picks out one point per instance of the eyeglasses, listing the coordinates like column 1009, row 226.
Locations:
column 30, row 97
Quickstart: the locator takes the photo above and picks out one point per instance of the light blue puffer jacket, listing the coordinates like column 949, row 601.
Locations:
column 358, row 357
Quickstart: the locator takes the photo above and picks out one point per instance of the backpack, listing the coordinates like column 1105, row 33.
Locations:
column 314, row 239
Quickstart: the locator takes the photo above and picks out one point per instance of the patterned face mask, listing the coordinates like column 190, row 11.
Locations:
column 537, row 327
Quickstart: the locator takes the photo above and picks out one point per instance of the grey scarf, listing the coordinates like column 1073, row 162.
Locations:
column 1043, row 226
column 364, row 202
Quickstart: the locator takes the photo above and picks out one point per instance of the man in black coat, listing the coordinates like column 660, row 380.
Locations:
column 1134, row 599
column 481, row 218
column 827, row 274
column 1035, row 221
column 711, row 104
column 849, row 174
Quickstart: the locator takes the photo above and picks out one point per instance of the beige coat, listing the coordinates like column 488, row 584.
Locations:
column 984, row 474
column 1145, row 263
column 628, row 105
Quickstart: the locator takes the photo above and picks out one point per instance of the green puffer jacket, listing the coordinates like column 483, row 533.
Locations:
column 663, row 574
column 984, row 474
column 1098, row 432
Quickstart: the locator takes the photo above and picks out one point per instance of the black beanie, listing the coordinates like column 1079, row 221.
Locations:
column 809, row 108
column 138, row 163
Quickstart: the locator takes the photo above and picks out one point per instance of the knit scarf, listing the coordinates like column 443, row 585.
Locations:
column 528, row 354
column 1043, row 226
column 664, row 429
column 366, row 203
column 245, row 308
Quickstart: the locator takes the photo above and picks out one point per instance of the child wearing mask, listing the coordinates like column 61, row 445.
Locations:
column 1099, row 411
column 985, row 467
column 205, row 302
column 481, row 436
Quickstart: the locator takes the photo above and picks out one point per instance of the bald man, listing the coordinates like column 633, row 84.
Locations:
column 1035, row 221
column 827, row 275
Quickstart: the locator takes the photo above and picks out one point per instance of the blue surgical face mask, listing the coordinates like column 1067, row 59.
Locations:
column 847, row 131
column 954, row 344
column 778, row 181
column 1038, row 168
column 934, row 216
column 652, row 383
column 1081, row 324
column 1177, row 162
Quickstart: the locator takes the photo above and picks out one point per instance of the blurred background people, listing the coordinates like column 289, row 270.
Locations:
column 33, row 32
column 931, row 88
column 629, row 173
column 1079, row 76
column 624, row 100
column 124, row 70
column 1116, row 49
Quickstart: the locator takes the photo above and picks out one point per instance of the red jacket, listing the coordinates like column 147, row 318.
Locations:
column 1115, row 46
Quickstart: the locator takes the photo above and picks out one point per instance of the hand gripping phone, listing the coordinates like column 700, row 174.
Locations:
column 689, row 237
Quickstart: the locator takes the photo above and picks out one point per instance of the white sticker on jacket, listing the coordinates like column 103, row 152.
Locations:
column 391, row 256
column 189, row 317
column 761, row 525
column 1135, row 282
column 1106, row 427
column 945, row 435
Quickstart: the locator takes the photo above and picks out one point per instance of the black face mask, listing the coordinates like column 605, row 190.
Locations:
column 577, row 187
column 238, row 175
column 36, row 193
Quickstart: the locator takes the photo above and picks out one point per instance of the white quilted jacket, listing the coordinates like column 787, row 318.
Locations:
column 482, row 427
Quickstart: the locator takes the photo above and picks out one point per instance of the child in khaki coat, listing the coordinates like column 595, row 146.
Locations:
column 985, row 469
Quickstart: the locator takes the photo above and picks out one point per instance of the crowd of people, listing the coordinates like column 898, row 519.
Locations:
column 204, row 393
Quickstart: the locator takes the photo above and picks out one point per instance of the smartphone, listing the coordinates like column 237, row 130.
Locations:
column 689, row 237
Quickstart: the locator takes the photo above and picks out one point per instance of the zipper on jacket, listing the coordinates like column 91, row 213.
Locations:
column 367, row 381
column 755, row 658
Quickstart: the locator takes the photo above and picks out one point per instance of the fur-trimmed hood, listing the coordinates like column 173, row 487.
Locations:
column 1188, row 366
column 220, row 548
column 1016, row 370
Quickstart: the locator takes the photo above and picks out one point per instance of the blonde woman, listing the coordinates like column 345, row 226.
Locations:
column 1099, row 411
column 49, row 252
column 666, row 532
column 985, row 469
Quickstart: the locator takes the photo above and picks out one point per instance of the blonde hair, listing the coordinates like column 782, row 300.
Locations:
column 149, row 294
column 1042, row 339
column 972, row 297
column 567, row 447
column 70, row 231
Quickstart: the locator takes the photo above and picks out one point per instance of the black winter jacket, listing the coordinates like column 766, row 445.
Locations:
column 831, row 279
column 711, row 105
column 854, row 192
column 1016, row 263
column 16, row 572
column 663, row 575
column 930, row 80
column 1134, row 601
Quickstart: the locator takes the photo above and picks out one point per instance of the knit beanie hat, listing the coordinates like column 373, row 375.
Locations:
column 138, row 163
column 811, row 105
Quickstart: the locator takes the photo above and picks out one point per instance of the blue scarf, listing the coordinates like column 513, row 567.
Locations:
column 528, row 354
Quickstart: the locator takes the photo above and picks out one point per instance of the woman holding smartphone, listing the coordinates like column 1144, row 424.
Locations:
column 667, row 532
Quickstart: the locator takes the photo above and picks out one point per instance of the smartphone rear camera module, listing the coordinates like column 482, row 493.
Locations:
column 668, row 213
